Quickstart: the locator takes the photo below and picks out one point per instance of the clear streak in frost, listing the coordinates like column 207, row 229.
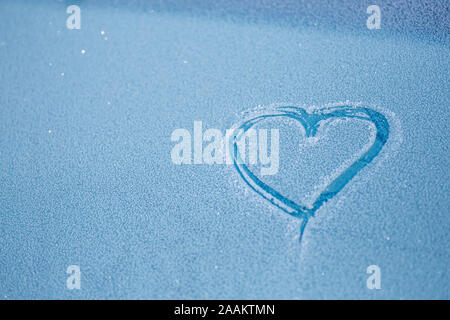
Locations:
column 310, row 121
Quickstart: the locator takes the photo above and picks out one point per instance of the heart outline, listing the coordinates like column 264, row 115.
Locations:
column 310, row 122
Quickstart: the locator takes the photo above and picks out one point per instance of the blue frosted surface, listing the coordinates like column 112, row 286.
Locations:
column 86, row 176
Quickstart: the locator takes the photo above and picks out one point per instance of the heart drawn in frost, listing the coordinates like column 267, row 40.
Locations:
column 310, row 122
